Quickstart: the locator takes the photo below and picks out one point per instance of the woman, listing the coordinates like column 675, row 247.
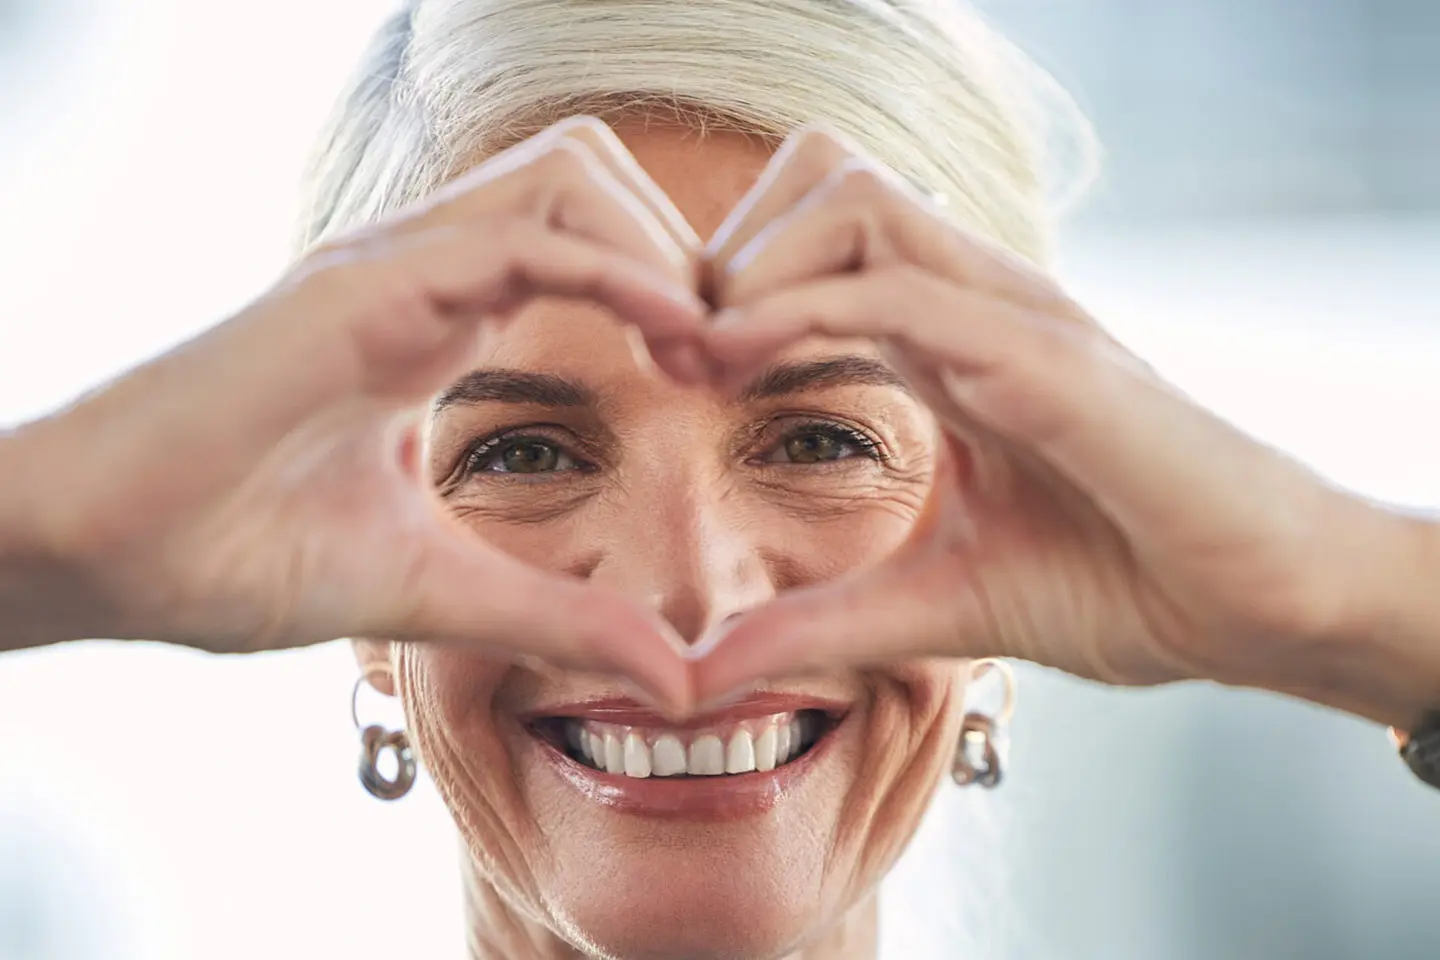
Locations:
column 739, row 457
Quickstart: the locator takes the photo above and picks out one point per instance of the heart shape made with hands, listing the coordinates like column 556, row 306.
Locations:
column 1082, row 513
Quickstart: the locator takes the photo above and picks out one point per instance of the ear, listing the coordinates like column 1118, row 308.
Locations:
column 373, row 658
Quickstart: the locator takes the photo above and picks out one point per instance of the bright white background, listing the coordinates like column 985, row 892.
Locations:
column 163, row 805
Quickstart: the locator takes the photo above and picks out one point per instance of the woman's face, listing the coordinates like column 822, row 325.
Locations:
column 748, row 832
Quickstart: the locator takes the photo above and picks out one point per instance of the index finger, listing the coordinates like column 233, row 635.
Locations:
column 460, row 198
column 805, row 159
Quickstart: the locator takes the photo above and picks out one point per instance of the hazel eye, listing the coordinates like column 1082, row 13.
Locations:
column 520, row 455
column 822, row 443
column 814, row 447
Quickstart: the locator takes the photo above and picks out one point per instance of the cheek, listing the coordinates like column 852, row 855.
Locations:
column 909, row 742
column 846, row 540
column 451, row 702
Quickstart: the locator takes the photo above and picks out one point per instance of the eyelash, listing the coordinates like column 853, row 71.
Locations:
column 474, row 460
column 863, row 444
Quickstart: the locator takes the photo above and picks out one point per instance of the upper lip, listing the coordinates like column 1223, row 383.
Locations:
column 627, row 712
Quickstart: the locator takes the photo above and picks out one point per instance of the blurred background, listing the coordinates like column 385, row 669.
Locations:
column 1267, row 232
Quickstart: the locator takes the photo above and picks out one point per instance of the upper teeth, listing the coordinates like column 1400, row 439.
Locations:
column 762, row 744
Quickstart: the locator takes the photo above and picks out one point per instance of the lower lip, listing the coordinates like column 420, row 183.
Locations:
column 711, row 799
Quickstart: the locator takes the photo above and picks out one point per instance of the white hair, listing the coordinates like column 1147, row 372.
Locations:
column 924, row 86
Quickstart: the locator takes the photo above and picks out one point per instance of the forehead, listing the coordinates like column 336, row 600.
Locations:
column 705, row 176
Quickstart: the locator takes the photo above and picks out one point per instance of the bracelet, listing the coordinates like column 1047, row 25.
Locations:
column 1420, row 748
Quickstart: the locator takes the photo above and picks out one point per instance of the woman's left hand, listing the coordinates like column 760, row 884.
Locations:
column 1085, row 515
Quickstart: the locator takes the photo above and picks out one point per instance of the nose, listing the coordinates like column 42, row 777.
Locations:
column 687, row 553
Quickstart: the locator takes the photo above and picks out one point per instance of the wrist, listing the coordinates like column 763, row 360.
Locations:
column 1381, row 658
column 41, row 600
column 1402, row 620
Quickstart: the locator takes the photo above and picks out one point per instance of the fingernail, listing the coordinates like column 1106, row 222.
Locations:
column 709, row 640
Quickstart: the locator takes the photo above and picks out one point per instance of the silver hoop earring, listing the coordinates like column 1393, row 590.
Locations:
column 374, row 741
column 980, row 753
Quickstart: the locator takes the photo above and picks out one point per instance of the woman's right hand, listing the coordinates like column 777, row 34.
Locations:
column 261, row 487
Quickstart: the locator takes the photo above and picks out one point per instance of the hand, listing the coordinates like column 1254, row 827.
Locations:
column 261, row 487
column 1084, row 515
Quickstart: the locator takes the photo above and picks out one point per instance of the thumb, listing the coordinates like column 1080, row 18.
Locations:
column 921, row 601
column 465, row 592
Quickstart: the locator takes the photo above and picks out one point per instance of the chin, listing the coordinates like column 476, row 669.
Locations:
column 649, row 913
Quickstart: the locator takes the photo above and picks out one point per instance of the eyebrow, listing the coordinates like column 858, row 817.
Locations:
column 502, row 385
column 515, row 386
column 797, row 375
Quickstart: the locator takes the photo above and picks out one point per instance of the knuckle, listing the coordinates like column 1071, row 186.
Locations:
column 822, row 141
column 583, row 124
column 592, row 132
column 353, row 282
column 815, row 150
column 862, row 183
column 565, row 160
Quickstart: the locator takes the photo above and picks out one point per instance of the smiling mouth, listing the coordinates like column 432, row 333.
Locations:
column 719, row 750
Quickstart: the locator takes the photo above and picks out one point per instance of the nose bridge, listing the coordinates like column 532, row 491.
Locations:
column 685, row 550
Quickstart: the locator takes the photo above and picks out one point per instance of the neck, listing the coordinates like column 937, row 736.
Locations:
column 497, row 931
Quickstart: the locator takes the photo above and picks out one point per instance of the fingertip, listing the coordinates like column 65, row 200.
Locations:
column 738, row 342
column 725, row 663
column 686, row 362
column 650, row 655
column 675, row 701
column 716, row 689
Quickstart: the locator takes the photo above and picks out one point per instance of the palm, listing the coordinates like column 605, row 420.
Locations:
column 325, row 536
column 1044, row 575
